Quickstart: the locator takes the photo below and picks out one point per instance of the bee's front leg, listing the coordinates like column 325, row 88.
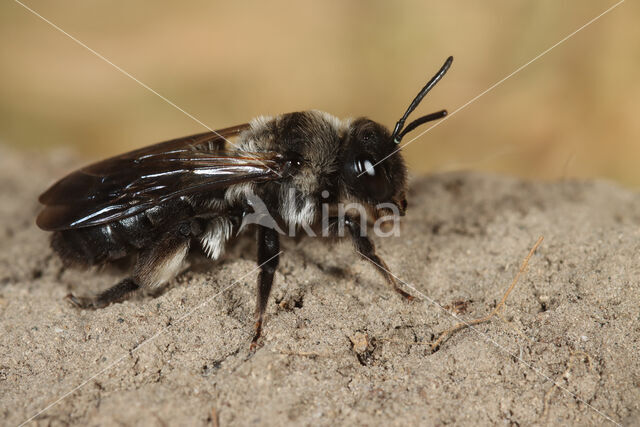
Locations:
column 268, row 257
column 365, row 246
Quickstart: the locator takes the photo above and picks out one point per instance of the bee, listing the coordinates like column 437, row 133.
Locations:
column 154, row 204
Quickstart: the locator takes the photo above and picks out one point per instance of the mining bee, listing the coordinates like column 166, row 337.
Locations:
column 152, row 205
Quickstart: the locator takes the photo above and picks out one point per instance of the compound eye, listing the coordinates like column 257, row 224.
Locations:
column 371, row 179
column 364, row 166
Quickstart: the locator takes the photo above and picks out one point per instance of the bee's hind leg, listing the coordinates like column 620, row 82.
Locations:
column 154, row 267
column 119, row 292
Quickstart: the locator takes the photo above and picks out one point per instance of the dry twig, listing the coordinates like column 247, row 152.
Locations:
column 462, row 325
column 215, row 420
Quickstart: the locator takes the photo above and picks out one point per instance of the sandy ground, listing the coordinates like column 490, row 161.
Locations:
column 340, row 347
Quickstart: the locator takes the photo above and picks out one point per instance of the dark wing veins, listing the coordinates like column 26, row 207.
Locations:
column 125, row 185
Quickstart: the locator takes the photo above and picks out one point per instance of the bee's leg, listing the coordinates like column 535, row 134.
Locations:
column 155, row 266
column 268, row 250
column 366, row 247
column 118, row 292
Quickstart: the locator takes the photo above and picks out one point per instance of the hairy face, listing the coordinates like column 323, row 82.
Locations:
column 372, row 171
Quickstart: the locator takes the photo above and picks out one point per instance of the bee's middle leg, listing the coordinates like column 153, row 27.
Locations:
column 268, row 257
column 154, row 267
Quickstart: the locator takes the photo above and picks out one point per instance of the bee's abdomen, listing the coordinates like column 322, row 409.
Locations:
column 116, row 240
column 89, row 246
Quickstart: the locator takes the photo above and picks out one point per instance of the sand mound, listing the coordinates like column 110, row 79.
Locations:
column 340, row 347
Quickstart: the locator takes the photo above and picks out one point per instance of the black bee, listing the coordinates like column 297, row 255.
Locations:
column 153, row 204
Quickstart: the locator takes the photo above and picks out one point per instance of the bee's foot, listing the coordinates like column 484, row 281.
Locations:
column 255, row 345
column 407, row 296
column 256, row 337
column 80, row 302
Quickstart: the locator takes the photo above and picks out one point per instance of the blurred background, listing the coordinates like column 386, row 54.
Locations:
column 571, row 113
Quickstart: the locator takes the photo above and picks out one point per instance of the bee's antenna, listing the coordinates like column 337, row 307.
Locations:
column 417, row 122
column 398, row 132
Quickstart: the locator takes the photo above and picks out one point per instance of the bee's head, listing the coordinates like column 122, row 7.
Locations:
column 373, row 172
column 373, row 168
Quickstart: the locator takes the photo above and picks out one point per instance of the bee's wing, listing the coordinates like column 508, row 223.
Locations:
column 208, row 140
column 133, row 182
